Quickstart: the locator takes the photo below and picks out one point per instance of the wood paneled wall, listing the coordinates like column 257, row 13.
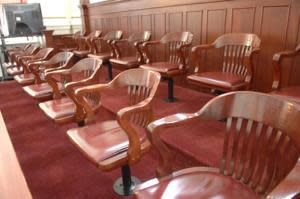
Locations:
column 277, row 22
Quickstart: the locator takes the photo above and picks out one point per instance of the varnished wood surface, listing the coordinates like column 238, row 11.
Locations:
column 250, row 129
column 12, row 180
column 276, row 22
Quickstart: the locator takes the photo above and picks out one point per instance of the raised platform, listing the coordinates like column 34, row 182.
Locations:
column 52, row 166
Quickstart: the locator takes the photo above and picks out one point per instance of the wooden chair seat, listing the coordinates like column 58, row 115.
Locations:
column 290, row 93
column 225, row 80
column 103, row 56
column 165, row 68
column 195, row 183
column 14, row 71
column 68, row 49
column 104, row 142
column 59, row 109
column 81, row 53
column 27, row 78
column 126, row 62
column 40, row 90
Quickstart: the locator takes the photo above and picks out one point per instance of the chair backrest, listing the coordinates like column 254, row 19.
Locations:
column 91, row 36
column 88, row 68
column 60, row 59
column 99, row 45
column 43, row 53
column 140, row 84
column 236, row 46
column 262, row 140
column 113, row 35
column 32, row 49
column 139, row 37
column 175, row 40
column 135, row 39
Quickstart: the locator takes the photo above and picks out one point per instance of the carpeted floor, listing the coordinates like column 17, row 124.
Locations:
column 54, row 169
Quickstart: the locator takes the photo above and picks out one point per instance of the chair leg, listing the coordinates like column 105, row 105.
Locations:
column 171, row 97
column 109, row 68
column 124, row 185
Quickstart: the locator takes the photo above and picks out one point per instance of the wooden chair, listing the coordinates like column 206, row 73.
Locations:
column 261, row 146
column 62, row 109
column 237, row 63
column 289, row 92
column 121, row 142
column 87, row 43
column 127, row 62
column 28, row 61
column 176, row 43
column 78, row 44
column 17, row 69
column 11, row 52
column 98, row 49
column 41, row 89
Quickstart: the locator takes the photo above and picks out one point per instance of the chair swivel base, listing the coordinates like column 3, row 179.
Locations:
column 119, row 188
column 169, row 100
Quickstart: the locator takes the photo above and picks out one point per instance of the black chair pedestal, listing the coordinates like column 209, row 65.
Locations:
column 109, row 70
column 124, row 185
column 170, row 97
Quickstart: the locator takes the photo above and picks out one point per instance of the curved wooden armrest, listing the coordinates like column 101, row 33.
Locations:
column 171, row 120
column 80, row 93
column 69, row 90
column 58, row 72
column 145, row 50
column 196, row 57
column 147, row 43
column 123, row 118
column 96, row 39
column 119, row 41
column 277, row 58
column 202, row 47
column 154, row 129
column 283, row 54
column 53, row 82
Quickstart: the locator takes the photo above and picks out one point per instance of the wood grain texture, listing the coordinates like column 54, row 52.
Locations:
column 12, row 180
column 277, row 22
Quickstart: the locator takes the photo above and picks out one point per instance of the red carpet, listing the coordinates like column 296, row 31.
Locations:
column 52, row 166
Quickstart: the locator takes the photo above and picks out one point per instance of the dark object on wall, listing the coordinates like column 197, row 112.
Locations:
column 22, row 19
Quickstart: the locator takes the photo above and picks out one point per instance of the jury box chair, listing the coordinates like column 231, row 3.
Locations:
column 261, row 146
column 41, row 90
column 11, row 52
column 289, row 92
column 176, row 42
column 87, row 44
column 130, row 61
column 236, row 63
column 17, row 68
column 62, row 109
column 121, row 142
column 28, row 61
column 77, row 44
column 100, row 50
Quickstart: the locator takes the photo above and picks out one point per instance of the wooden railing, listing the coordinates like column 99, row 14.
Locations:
column 12, row 180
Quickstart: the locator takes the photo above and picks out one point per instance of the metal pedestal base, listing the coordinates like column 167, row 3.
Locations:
column 119, row 188
column 124, row 185
column 170, row 100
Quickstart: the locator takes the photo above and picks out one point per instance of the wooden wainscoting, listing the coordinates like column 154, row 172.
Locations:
column 277, row 22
